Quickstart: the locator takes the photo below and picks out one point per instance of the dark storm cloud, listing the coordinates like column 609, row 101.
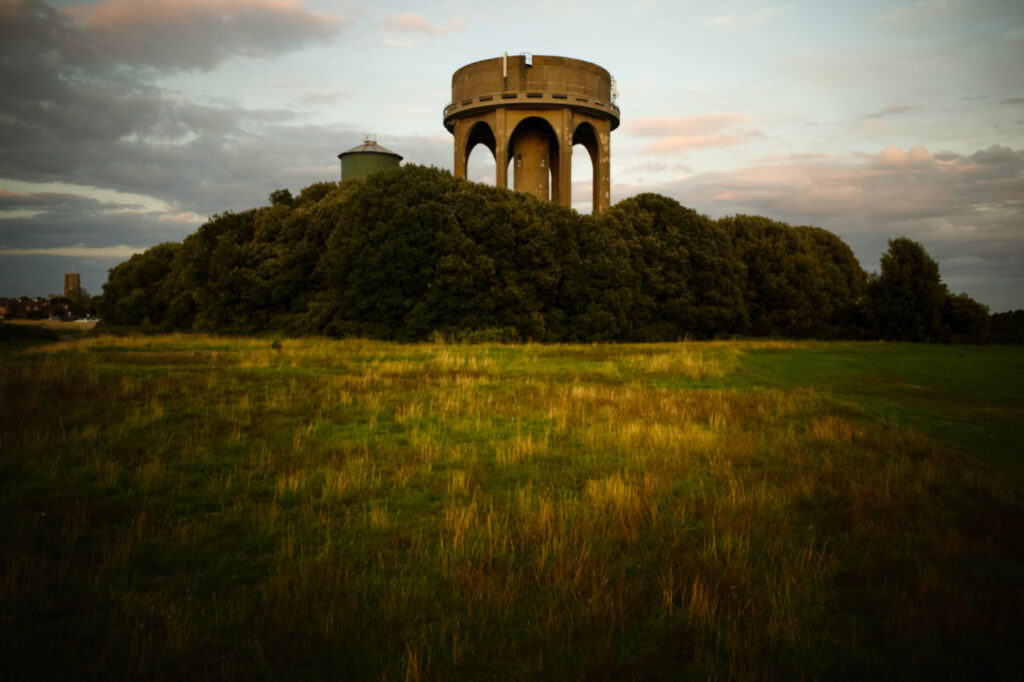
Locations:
column 77, row 105
column 51, row 86
column 89, row 226
column 52, row 201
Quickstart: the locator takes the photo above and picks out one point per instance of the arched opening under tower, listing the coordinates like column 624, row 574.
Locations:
column 585, row 166
column 533, row 151
column 481, row 164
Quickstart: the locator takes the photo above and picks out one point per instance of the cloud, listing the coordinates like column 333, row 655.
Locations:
column 87, row 229
column 44, row 201
column 119, row 252
column 401, row 44
column 200, row 34
column 75, row 109
column 46, row 221
column 21, row 194
column 889, row 111
column 919, row 11
column 670, row 145
column 892, row 185
column 655, row 167
column 682, row 125
column 412, row 22
column 34, row 223
column 67, row 103
column 749, row 20
column 894, row 157
column 323, row 99
column 690, row 132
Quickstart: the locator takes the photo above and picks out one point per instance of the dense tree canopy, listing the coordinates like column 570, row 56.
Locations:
column 412, row 252
column 800, row 281
column 907, row 296
column 135, row 291
column 685, row 279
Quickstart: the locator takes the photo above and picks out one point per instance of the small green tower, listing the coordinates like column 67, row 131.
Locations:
column 367, row 158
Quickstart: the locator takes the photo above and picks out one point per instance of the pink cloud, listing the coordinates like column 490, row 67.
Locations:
column 675, row 144
column 202, row 33
column 682, row 126
column 656, row 167
column 128, row 14
column 414, row 22
column 691, row 132
column 894, row 157
column 186, row 217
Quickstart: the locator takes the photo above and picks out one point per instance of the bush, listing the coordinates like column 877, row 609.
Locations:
column 487, row 335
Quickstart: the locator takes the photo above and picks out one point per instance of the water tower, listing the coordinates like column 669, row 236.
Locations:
column 369, row 157
column 530, row 110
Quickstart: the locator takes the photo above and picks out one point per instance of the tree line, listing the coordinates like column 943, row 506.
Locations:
column 413, row 253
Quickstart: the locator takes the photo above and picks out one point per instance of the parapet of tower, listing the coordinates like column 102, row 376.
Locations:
column 532, row 109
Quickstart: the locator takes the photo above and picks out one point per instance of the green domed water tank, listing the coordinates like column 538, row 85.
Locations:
column 367, row 158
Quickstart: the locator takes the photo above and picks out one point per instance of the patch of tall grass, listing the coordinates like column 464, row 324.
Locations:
column 237, row 508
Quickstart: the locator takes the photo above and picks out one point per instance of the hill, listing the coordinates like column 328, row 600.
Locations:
column 413, row 253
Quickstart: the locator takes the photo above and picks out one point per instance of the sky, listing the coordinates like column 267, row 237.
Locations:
column 127, row 123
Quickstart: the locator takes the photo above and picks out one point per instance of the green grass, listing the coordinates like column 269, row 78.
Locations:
column 968, row 398
column 186, row 507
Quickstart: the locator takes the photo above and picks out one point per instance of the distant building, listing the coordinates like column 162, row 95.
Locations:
column 23, row 306
column 369, row 157
column 72, row 284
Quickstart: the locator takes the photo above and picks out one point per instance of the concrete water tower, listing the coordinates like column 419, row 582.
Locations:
column 530, row 110
column 369, row 157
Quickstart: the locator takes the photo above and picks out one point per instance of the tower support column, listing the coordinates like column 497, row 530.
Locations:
column 460, row 149
column 500, row 149
column 602, row 169
column 563, row 170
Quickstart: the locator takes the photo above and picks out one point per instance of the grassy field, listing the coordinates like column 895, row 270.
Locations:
column 188, row 507
column 23, row 333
